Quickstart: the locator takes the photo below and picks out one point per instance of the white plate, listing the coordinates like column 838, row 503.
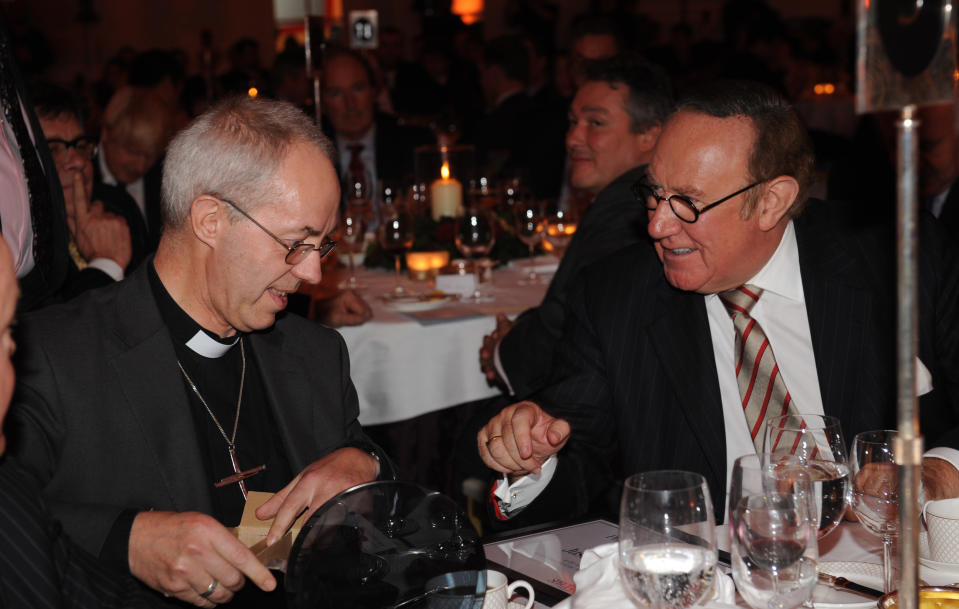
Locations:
column 423, row 302
column 867, row 574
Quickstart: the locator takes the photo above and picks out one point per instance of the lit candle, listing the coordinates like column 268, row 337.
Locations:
column 446, row 195
column 424, row 265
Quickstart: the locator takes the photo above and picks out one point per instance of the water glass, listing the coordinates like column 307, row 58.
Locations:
column 667, row 539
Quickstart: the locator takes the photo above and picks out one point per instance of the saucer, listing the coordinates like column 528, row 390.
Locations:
column 945, row 567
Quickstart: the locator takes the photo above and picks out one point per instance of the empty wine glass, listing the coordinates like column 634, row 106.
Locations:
column 530, row 225
column 817, row 441
column 667, row 539
column 875, row 491
column 474, row 239
column 560, row 227
column 353, row 235
column 396, row 236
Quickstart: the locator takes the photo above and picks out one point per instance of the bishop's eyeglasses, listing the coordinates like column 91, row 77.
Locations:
column 649, row 195
column 299, row 250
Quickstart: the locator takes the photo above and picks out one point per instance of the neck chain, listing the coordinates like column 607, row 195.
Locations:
column 239, row 475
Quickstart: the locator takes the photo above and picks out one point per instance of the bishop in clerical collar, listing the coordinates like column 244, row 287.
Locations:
column 192, row 375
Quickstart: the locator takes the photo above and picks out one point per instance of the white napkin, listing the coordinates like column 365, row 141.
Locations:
column 598, row 585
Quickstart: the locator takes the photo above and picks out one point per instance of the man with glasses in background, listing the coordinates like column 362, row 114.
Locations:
column 739, row 283
column 150, row 408
column 108, row 236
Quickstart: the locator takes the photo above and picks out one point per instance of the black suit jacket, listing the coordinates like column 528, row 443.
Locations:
column 394, row 143
column 102, row 418
column 144, row 231
column 614, row 220
column 639, row 383
column 41, row 567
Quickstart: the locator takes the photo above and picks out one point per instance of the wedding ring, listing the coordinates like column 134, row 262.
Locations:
column 210, row 589
column 491, row 438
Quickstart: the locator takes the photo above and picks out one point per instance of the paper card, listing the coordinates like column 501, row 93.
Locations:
column 252, row 533
column 456, row 284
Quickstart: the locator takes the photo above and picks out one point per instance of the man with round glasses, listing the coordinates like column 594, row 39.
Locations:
column 648, row 370
column 193, row 388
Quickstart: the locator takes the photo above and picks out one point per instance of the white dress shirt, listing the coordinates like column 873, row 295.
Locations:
column 781, row 311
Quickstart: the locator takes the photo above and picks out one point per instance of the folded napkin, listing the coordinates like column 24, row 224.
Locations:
column 598, row 585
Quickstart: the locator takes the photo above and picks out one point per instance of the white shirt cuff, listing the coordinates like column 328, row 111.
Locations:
column 111, row 268
column 514, row 497
column 951, row 455
column 499, row 368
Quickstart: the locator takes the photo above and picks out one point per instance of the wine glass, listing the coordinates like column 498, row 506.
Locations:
column 875, row 491
column 818, row 443
column 667, row 539
column 396, row 236
column 353, row 235
column 772, row 533
column 474, row 239
column 482, row 193
column 530, row 225
column 560, row 227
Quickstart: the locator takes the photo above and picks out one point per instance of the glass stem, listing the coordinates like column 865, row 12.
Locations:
column 352, row 281
column 532, row 265
column 887, row 583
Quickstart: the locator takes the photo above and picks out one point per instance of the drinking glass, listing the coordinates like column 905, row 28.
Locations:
column 875, row 491
column 396, row 236
column 772, row 534
column 667, row 539
column 475, row 239
column 817, row 441
column 560, row 227
column 353, row 235
column 530, row 225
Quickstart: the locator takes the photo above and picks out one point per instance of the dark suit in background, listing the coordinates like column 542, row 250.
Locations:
column 636, row 377
column 613, row 221
column 41, row 567
column 150, row 226
column 102, row 415
column 394, row 143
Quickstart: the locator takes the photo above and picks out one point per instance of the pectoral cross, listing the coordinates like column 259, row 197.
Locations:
column 240, row 475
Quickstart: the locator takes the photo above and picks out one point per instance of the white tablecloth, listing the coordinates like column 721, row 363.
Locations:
column 404, row 367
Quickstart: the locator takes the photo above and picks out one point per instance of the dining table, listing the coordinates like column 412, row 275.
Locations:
column 550, row 558
column 414, row 358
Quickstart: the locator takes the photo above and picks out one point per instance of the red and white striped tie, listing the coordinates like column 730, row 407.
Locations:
column 761, row 387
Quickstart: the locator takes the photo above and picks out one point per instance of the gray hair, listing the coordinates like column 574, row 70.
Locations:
column 233, row 150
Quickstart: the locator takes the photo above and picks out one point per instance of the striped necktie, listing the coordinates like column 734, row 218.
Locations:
column 761, row 387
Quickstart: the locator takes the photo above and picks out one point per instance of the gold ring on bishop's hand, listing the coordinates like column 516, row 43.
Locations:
column 491, row 438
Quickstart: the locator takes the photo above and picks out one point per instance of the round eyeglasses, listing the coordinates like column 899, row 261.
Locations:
column 85, row 146
column 685, row 210
column 299, row 250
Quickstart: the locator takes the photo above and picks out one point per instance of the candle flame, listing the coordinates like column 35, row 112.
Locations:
column 252, row 92
column 445, row 170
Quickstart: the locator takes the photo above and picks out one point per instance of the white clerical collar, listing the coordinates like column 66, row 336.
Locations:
column 207, row 346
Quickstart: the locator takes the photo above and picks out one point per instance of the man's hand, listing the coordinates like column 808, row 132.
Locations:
column 180, row 554
column 520, row 438
column 939, row 479
column 98, row 233
column 488, row 352
column 315, row 485
column 345, row 309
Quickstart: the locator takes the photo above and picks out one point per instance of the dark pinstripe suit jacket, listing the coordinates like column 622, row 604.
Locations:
column 639, row 383
column 40, row 567
column 615, row 220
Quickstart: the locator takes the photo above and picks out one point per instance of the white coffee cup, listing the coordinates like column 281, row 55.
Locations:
column 499, row 591
column 942, row 521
